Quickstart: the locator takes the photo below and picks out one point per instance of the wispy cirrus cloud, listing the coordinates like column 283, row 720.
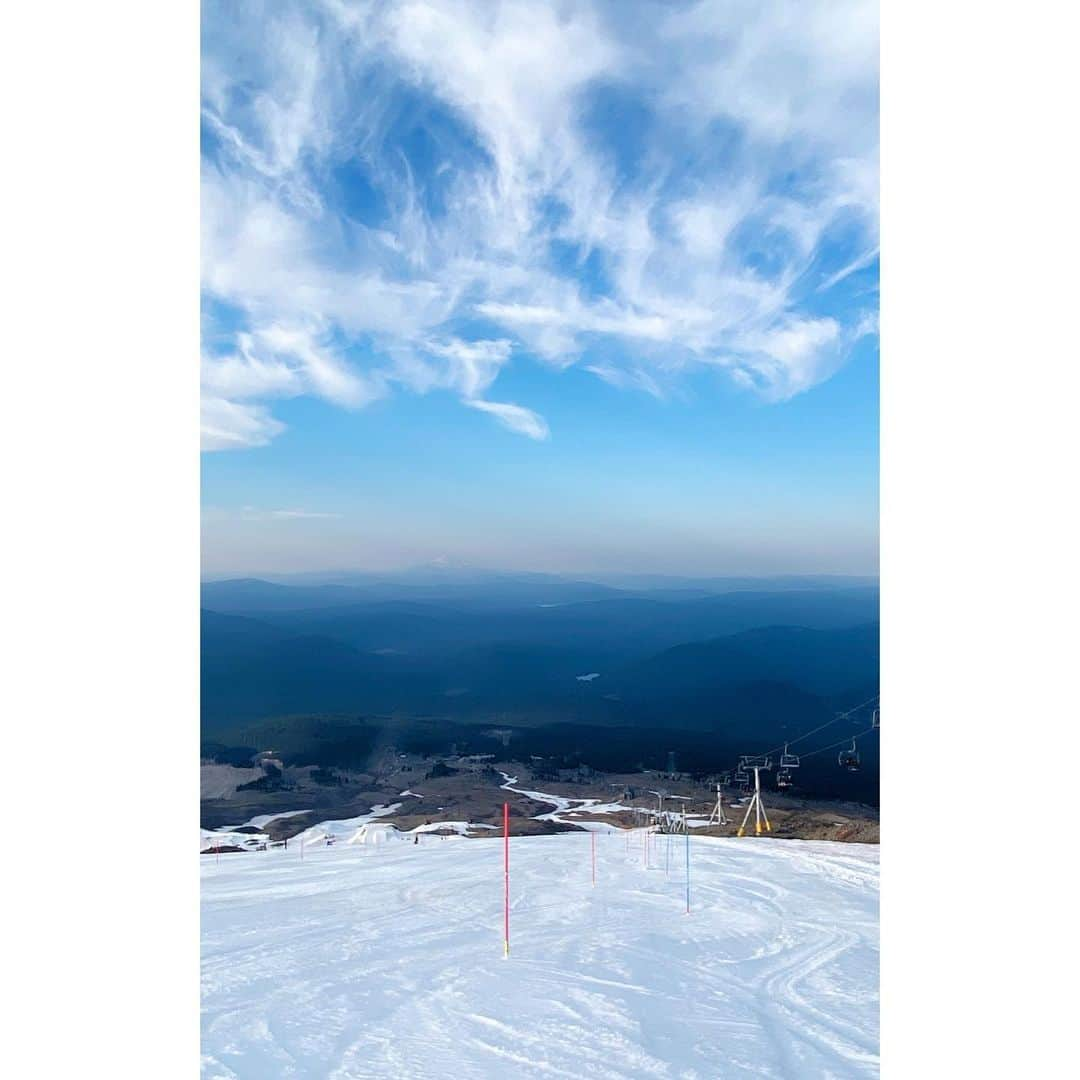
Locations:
column 291, row 514
column 255, row 513
column 513, row 417
column 411, row 196
column 233, row 425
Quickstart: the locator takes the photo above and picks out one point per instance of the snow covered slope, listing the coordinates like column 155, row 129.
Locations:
column 387, row 960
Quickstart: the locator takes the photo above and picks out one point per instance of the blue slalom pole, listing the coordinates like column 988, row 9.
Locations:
column 688, row 871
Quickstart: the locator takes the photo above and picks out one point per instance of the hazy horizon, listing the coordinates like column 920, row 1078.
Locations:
column 450, row 571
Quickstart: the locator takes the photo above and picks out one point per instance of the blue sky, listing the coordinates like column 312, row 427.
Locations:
column 566, row 287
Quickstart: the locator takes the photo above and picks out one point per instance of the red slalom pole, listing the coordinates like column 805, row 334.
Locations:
column 506, row 879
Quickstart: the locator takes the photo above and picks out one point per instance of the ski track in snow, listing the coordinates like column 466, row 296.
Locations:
column 386, row 961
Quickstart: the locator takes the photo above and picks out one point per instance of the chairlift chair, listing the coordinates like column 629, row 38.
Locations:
column 849, row 759
column 788, row 761
column 876, row 720
column 742, row 776
column 783, row 778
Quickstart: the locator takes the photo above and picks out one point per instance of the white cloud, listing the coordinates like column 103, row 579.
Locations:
column 229, row 425
column 255, row 513
column 859, row 263
column 795, row 355
column 471, row 366
column 704, row 225
column 788, row 358
column 285, row 361
column 245, row 374
column 514, row 417
column 698, row 252
column 628, row 379
column 327, row 375
column 301, row 514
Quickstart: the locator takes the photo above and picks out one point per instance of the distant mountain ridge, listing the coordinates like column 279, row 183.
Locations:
column 444, row 574
column 820, row 661
column 407, row 620
column 474, row 652
column 253, row 594
column 489, row 589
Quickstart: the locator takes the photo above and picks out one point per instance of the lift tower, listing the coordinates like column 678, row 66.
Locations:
column 756, row 806
column 718, row 814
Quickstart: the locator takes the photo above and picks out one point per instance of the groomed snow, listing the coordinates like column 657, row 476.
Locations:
column 386, row 960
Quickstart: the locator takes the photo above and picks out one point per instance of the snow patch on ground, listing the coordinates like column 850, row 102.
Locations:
column 218, row 838
column 376, row 832
column 460, row 827
column 327, row 833
column 566, row 808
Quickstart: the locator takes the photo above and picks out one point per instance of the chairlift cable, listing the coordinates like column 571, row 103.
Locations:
column 821, row 727
column 839, row 742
